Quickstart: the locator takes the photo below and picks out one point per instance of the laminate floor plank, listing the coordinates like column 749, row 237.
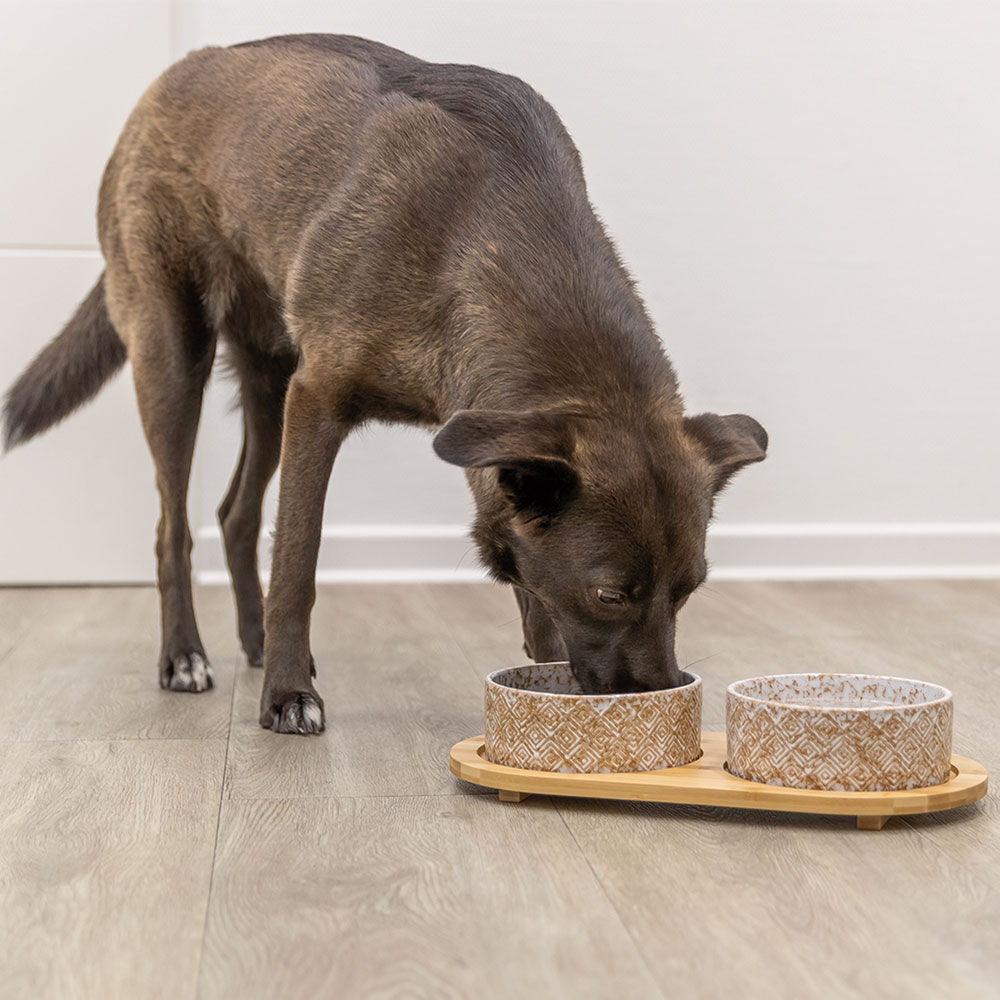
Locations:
column 356, row 865
column 19, row 607
column 105, row 860
column 484, row 621
column 418, row 896
column 398, row 694
column 846, row 607
column 788, row 906
column 85, row 668
column 968, row 664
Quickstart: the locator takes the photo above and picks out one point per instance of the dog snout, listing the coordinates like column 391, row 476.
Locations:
column 613, row 673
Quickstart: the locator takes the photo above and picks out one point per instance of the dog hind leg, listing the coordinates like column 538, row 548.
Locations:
column 171, row 350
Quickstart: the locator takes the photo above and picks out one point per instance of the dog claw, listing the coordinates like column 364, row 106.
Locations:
column 302, row 714
column 188, row 672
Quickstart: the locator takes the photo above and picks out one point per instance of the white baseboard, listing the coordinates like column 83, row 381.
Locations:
column 408, row 553
column 366, row 553
column 854, row 551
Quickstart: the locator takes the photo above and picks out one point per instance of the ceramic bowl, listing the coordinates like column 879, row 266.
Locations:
column 841, row 732
column 538, row 718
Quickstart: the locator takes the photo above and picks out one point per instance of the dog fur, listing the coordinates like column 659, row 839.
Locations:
column 374, row 237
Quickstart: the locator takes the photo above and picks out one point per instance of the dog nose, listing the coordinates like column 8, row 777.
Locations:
column 653, row 672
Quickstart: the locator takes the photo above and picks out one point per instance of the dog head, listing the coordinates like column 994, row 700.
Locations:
column 601, row 525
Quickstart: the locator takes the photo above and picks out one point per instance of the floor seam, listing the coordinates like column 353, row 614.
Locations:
column 215, row 842
column 10, row 649
column 374, row 795
column 607, row 896
column 119, row 739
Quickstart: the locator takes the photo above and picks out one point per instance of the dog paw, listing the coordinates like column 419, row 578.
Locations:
column 187, row 672
column 299, row 712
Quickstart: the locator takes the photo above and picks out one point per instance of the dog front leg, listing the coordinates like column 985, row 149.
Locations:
column 311, row 437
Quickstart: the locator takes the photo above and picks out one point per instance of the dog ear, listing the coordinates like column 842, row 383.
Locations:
column 729, row 442
column 528, row 449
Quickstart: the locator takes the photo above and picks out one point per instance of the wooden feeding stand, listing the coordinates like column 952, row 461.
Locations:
column 706, row 782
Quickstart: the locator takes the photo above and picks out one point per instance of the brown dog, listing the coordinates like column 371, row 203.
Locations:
column 374, row 237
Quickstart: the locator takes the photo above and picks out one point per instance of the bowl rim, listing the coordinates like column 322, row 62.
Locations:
column 695, row 682
column 942, row 699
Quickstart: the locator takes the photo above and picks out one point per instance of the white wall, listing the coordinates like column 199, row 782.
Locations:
column 806, row 194
column 77, row 505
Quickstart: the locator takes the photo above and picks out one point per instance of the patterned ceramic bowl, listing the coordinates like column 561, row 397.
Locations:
column 842, row 732
column 538, row 718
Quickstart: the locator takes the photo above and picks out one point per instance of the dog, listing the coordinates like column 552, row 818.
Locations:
column 373, row 237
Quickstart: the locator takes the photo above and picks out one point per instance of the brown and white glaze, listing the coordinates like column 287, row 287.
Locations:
column 840, row 732
column 538, row 718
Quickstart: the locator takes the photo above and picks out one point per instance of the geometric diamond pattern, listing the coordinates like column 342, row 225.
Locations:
column 536, row 718
column 841, row 732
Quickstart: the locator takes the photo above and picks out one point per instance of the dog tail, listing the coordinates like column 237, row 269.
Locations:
column 69, row 371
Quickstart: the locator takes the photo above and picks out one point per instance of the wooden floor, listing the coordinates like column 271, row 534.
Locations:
column 163, row 845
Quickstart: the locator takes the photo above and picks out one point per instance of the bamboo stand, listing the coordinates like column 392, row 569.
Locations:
column 707, row 782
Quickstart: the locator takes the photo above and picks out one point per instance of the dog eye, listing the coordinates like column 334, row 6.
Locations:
column 606, row 596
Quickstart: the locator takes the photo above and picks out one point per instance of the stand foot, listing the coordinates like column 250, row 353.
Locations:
column 872, row 822
column 508, row 796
